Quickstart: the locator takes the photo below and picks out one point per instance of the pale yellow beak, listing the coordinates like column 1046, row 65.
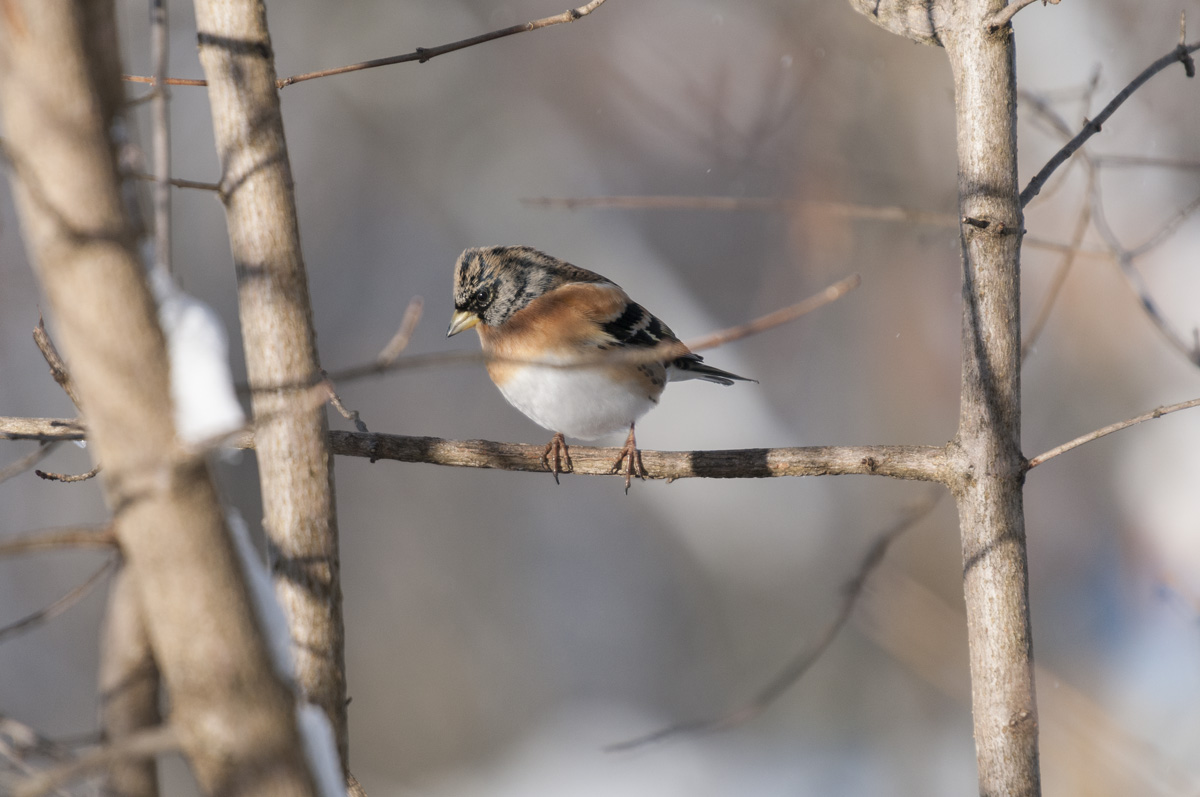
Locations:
column 461, row 321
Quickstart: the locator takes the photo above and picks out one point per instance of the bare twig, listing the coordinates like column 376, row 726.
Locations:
column 181, row 183
column 1005, row 15
column 408, row 324
column 68, row 478
column 1146, row 161
column 663, row 351
column 60, row 538
column 1125, row 260
column 1112, row 427
column 26, row 462
column 420, row 55
column 161, row 126
column 146, row 744
column 771, row 320
column 726, row 203
column 795, row 669
column 1181, row 53
column 59, row 606
column 348, row 414
column 58, row 368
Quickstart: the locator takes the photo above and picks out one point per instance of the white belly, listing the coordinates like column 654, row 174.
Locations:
column 580, row 403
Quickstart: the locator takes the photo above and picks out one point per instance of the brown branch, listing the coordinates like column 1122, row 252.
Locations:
column 43, row 429
column 724, row 203
column 58, row 368
column 59, row 606
column 420, row 55
column 68, row 478
column 1113, row 427
column 59, row 538
column 26, row 462
column 146, row 744
column 924, row 463
column 795, row 669
column 1181, row 53
column 1002, row 17
column 180, row 182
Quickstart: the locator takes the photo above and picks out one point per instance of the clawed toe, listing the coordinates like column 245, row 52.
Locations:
column 632, row 458
column 562, row 456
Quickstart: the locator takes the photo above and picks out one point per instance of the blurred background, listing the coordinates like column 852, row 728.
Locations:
column 500, row 629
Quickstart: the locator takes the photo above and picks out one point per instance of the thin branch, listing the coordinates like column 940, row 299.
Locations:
column 420, row 55
column 1147, row 161
column 1182, row 53
column 146, row 744
column 726, row 203
column 795, row 669
column 1005, row 15
column 26, row 462
column 59, row 606
column 58, row 539
column 1113, row 427
column 783, row 316
column 161, row 131
column 58, row 368
column 1030, row 339
column 179, row 182
column 68, row 478
column 662, row 352
column 408, row 324
column 1125, row 260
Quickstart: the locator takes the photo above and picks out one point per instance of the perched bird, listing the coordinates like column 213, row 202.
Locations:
column 535, row 314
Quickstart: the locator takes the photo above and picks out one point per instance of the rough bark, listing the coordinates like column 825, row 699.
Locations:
column 294, row 461
column 59, row 87
column 987, row 470
column 991, row 479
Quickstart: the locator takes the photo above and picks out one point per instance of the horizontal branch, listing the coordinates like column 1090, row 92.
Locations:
column 903, row 462
column 924, row 463
column 848, row 210
column 59, row 538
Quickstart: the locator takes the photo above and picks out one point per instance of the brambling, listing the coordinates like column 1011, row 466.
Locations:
column 536, row 314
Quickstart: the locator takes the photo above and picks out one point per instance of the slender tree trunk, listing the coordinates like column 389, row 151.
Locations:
column 991, row 475
column 291, row 437
column 59, row 89
column 987, row 469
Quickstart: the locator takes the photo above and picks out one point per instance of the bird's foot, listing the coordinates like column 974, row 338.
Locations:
column 632, row 458
column 562, row 455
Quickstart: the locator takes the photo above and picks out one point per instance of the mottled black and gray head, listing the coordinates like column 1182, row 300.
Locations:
column 491, row 283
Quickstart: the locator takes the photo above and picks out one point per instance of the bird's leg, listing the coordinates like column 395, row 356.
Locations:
column 558, row 447
column 633, row 461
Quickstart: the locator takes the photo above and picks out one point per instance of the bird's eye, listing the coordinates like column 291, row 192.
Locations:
column 482, row 297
